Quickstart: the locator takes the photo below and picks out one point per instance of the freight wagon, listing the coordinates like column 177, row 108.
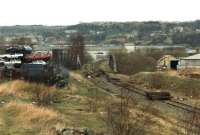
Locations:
column 158, row 95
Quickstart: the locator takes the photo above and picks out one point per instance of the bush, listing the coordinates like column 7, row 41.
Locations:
column 131, row 63
column 157, row 53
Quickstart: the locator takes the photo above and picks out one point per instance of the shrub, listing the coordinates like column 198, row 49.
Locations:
column 131, row 63
column 158, row 53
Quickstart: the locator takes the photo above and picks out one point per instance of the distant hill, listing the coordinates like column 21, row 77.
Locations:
column 140, row 33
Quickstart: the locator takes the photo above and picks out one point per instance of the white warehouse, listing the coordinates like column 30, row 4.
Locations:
column 191, row 62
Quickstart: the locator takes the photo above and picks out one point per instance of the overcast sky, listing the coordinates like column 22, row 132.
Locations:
column 67, row 12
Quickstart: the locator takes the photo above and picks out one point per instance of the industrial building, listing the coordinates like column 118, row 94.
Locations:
column 191, row 62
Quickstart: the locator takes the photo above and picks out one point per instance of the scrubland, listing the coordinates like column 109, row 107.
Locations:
column 28, row 108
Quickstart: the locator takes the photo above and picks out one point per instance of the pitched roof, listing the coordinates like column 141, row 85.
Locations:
column 193, row 57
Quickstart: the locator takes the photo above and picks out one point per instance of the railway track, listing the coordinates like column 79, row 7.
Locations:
column 174, row 103
column 183, row 106
column 142, row 92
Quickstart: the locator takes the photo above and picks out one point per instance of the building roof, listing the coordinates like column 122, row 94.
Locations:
column 193, row 57
column 40, row 62
column 11, row 55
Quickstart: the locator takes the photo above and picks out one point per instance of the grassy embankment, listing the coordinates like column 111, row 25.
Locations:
column 32, row 109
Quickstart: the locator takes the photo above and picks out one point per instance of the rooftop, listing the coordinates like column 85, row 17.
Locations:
column 193, row 57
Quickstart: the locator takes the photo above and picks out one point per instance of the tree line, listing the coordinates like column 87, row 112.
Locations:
column 151, row 32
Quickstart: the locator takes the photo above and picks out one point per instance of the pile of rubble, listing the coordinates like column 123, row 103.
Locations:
column 21, row 62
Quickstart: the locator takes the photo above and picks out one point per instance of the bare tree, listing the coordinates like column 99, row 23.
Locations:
column 120, row 120
column 118, row 115
column 190, row 123
column 192, row 126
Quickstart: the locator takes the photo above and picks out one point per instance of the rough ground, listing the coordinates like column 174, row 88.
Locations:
column 81, row 104
column 181, row 88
